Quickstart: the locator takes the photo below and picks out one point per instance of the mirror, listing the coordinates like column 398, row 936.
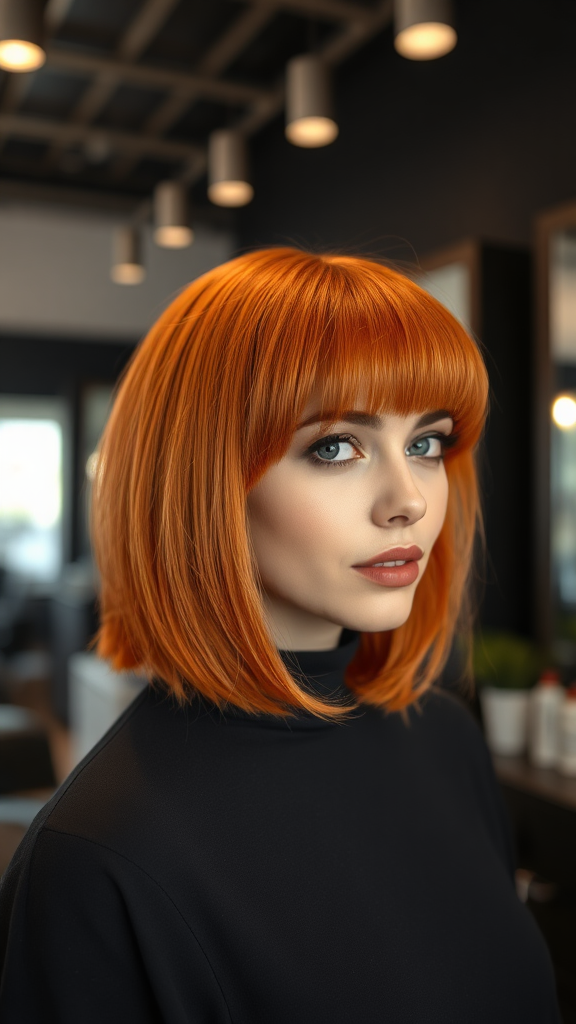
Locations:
column 488, row 287
column 451, row 276
column 556, row 423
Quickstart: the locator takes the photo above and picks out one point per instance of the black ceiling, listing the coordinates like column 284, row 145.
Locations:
column 131, row 89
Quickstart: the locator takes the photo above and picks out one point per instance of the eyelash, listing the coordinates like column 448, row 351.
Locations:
column 446, row 441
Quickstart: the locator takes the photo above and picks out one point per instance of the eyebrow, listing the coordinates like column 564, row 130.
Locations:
column 364, row 419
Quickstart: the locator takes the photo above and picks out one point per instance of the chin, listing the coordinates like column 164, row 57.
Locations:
column 378, row 623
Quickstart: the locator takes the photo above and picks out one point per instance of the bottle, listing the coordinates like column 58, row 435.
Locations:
column 567, row 733
column 545, row 704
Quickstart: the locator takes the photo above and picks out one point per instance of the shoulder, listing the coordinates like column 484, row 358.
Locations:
column 90, row 933
column 85, row 831
column 89, row 803
column 450, row 738
column 460, row 744
column 450, row 705
column 446, row 717
column 131, row 791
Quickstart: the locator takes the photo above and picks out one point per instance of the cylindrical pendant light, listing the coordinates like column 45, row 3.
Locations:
column 228, row 174
column 424, row 29
column 171, row 215
column 127, row 266
column 309, row 113
column 21, row 35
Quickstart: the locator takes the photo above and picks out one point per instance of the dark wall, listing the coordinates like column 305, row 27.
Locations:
column 50, row 366
column 471, row 144
column 507, row 468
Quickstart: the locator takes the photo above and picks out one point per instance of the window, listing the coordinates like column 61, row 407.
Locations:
column 34, row 440
column 95, row 406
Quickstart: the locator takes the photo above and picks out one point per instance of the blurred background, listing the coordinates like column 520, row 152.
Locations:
column 143, row 142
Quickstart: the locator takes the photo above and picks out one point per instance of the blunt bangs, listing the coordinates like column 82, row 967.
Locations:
column 375, row 342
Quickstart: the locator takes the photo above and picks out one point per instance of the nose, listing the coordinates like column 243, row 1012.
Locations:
column 398, row 494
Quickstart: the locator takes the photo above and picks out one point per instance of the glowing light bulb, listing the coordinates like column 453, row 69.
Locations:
column 311, row 132
column 564, row 412
column 20, row 55
column 230, row 193
column 127, row 273
column 173, row 236
column 426, row 40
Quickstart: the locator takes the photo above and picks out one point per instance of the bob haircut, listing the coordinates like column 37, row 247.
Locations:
column 209, row 400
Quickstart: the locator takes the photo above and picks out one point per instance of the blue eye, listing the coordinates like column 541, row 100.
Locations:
column 335, row 440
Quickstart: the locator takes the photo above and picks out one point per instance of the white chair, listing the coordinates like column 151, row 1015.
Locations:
column 97, row 697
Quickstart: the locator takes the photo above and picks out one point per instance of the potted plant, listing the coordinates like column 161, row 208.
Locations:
column 506, row 667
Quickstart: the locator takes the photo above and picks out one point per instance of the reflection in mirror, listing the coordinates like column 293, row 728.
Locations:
column 562, row 348
column 450, row 284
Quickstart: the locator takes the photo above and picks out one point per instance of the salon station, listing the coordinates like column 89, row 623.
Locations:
column 144, row 143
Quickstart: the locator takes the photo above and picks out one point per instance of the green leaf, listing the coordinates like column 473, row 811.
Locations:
column 507, row 660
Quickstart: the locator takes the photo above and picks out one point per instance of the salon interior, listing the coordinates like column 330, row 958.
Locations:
column 143, row 142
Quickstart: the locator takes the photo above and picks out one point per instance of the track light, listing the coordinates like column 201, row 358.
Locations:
column 309, row 115
column 423, row 29
column 127, row 267
column 171, row 215
column 21, row 35
column 228, row 175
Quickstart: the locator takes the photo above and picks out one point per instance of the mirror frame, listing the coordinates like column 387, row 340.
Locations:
column 500, row 319
column 545, row 224
column 467, row 252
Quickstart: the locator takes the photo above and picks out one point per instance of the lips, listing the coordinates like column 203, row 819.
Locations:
column 411, row 554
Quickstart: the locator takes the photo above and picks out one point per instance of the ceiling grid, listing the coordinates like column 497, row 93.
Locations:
column 146, row 109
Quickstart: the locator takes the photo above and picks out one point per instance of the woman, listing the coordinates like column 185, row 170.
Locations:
column 291, row 823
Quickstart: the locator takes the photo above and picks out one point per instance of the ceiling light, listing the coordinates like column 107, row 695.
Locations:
column 228, row 176
column 309, row 115
column 127, row 267
column 171, row 215
column 423, row 29
column 21, row 35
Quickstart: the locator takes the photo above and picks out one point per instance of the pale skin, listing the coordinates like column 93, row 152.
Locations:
column 310, row 524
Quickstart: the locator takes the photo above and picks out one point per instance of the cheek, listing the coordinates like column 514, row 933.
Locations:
column 285, row 520
column 438, row 505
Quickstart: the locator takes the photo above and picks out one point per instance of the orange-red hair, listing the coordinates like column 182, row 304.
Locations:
column 209, row 400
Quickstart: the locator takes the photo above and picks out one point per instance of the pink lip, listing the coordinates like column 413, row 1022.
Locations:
column 412, row 554
column 394, row 576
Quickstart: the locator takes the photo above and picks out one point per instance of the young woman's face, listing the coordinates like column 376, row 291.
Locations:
column 328, row 506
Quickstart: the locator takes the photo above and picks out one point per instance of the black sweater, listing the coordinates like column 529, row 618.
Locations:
column 199, row 868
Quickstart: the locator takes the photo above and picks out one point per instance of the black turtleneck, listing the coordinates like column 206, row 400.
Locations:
column 207, row 868
column 321, row 673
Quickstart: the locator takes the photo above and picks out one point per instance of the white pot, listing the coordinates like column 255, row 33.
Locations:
column 505, row 714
